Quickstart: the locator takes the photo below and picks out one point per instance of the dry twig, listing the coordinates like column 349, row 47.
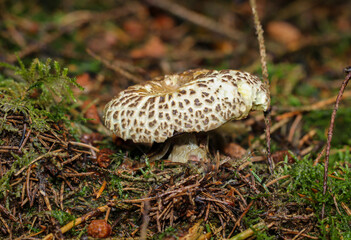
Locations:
column 196, row 18
column 263, row 55
column 330, row 133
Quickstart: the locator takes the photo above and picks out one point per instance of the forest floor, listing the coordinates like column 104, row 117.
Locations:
column 64, row 175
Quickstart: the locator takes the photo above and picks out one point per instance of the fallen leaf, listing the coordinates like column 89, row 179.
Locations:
column 91, row 113
column 280, row 156
column 85, row 81
column 162, row 23
column 234, row 150
column 134, row 29
column 286, row 34
column 103, row 158
column 153, row 48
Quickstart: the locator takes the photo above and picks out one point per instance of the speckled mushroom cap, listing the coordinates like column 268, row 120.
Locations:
column 192, row 101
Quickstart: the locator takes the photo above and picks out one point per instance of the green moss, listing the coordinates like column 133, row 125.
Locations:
column 40, row 91
column 306, row 186
column 62, row 217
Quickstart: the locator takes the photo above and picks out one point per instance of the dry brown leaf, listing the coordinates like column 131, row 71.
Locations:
column 234, row 150
column 153, row 48
column 85, row 81
column 91, row 113
column 285, row 33
column 162, row 23
column 134, row 29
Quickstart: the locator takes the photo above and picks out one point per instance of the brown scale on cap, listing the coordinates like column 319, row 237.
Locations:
column 192, row 101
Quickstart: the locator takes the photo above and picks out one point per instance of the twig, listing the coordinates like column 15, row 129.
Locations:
column 346, row 208
column 241, row 217
column 277, row 179
column 146, row 220
column 116, row 68
column 316, row 161
column 7, row 227
column 8, row 213
column 299, row 234
column 48, row 154
column 196, row 18
column 249, row 232
column 293, row 127
column 84, row 145
column 98, row 194
column 267, row 114
column 288, row 231
column 308, row 108
column 330, row 134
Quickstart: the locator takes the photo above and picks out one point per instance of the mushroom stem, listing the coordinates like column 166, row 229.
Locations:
column 185, row 148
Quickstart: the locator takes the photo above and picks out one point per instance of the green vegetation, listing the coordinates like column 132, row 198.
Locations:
column 41, row 92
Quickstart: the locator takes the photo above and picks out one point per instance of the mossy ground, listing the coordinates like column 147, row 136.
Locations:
column 47, row 179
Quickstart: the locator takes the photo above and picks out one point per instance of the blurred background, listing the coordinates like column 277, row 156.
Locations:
column 110, row 45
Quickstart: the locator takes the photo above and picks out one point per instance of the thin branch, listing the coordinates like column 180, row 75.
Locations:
column 330, row 133
column 260, row 38
column 196, row 18
column 115, row 67
column 267, row 114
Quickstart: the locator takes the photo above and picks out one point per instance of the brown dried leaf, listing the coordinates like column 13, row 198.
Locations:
column 153, row 48
column 163, row 23
column 234, row 150
column 134, row 29
column 285, row 33
column 280, row 156
column 85, row 81
column 103, row 157
column 91, row 113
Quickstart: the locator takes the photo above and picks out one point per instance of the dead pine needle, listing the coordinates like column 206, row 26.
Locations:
column 267, row 114
column 330, row 133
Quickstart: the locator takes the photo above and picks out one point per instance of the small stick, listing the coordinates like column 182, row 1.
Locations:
column 84, row 145
column 288, row 231
column 196, row 18
column 48, row 154
column 293, row 127
column 319, row 156
column 115, row 67
column 249, row 232
column 241, row 216
column 8, row 213
column 299, row 234
column 146, row 219
column 277, row 179
column 98, row 194
column 330, row 134
column 267, row 114
column 346, row 208
column 7, row 227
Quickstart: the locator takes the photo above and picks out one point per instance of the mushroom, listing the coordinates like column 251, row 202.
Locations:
column 189, row 102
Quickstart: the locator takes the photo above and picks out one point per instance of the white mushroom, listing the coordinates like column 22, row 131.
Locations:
column 192, row 101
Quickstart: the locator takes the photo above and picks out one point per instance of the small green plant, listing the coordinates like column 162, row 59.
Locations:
column 41, row 92
column 62, row 217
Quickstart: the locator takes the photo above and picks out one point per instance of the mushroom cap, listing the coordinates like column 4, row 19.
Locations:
column 192, row 101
